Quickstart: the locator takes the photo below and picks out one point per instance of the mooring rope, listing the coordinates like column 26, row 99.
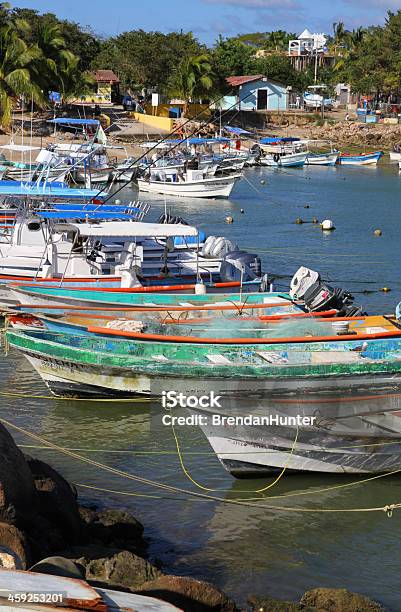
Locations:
column 388, row 509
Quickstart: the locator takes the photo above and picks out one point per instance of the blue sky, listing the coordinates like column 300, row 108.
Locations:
column 208, row 18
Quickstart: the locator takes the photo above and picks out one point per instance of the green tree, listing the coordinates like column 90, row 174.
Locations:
column 192, row 79
column 231, row 57
column 279, row 68
column 278, row 40
column 146, row 59
column 56, row 61
column 19, row 63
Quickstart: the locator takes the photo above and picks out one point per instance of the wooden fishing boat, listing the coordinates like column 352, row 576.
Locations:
column 115, row 362
column 363, row 159
column 330, row 404
column 39, row 590
column 169, row 295
column 253, row 320
column 336, row 431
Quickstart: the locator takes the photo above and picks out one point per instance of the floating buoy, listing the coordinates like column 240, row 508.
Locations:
column 377, row 232
column 327, row 225
column 262, row 182
column 117, row 202
column 314, row 220
column 385, row 289
column 299, row 221
column 242, row 211
column 229, row 220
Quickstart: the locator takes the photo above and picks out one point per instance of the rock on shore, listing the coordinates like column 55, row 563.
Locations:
column 382, row 136
column 40, row 517
column 318, row 600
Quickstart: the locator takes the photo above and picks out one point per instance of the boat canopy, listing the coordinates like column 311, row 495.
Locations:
column 236, row 130
column 128, row 228
column 82, row 214
column 198, row 140
column 94, row 207
column 271, row 140
column 19, row 147
column 29, row 184
column 29, row 189
column 155, row 145
column 74, row 121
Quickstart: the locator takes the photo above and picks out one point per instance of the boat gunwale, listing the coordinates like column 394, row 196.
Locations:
column 106, row 331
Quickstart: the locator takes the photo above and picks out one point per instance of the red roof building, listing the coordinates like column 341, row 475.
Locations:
column 236, row 81
column 256, row 92
column 106, row 76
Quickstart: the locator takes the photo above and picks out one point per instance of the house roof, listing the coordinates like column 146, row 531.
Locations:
column 106, row 76
column 236, row 81
column 305, row 34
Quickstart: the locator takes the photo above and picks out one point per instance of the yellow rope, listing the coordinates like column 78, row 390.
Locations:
column 388, row 509
column 197, row 484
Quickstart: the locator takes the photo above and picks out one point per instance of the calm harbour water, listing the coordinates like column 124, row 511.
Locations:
column 247, row 550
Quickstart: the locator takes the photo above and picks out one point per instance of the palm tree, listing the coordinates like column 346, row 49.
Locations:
column 18, row 73
column 352, row 41
column 56, row 60
column 193, row 78
column 278, row 39
column 339, row 32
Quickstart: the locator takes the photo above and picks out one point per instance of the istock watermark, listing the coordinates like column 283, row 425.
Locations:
column 172, row 399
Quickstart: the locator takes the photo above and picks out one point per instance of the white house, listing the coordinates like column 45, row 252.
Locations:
column 307, row 43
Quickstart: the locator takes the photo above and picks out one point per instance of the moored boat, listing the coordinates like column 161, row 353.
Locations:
column 120, row 363
column 362, row 159
column 322, row 159
column 284, row 160
column 192, row 184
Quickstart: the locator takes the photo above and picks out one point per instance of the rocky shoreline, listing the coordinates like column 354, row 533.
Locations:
column 43, row 527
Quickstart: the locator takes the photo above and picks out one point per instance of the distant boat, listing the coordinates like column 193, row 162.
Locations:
column 322, row 159
column 321, row 153
column 193, row 184
column 363, row 159
column 395, row 156
column 291, row 160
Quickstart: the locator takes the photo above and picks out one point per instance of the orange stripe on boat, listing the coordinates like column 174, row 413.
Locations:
column 195, row 340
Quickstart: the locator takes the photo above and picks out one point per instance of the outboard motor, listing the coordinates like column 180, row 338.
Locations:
column 301, row 281
column 216, row 247
column 239, row 265
column 167, row 218
column 320, row 297
column 95, row 251
column 256, row 152
column 306, row 285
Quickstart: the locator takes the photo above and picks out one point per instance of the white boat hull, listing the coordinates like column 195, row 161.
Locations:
column 220, row 187
column 284, row 161
column 344, row 438
column 322, row 159
column 99, row 176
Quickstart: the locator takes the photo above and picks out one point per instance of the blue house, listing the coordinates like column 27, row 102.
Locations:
column 256, row 92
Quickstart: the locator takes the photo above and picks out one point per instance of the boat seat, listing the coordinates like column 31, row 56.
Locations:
column 218, row 359
column 272, row 357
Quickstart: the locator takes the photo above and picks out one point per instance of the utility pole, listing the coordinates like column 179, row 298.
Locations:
column 315, row 66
